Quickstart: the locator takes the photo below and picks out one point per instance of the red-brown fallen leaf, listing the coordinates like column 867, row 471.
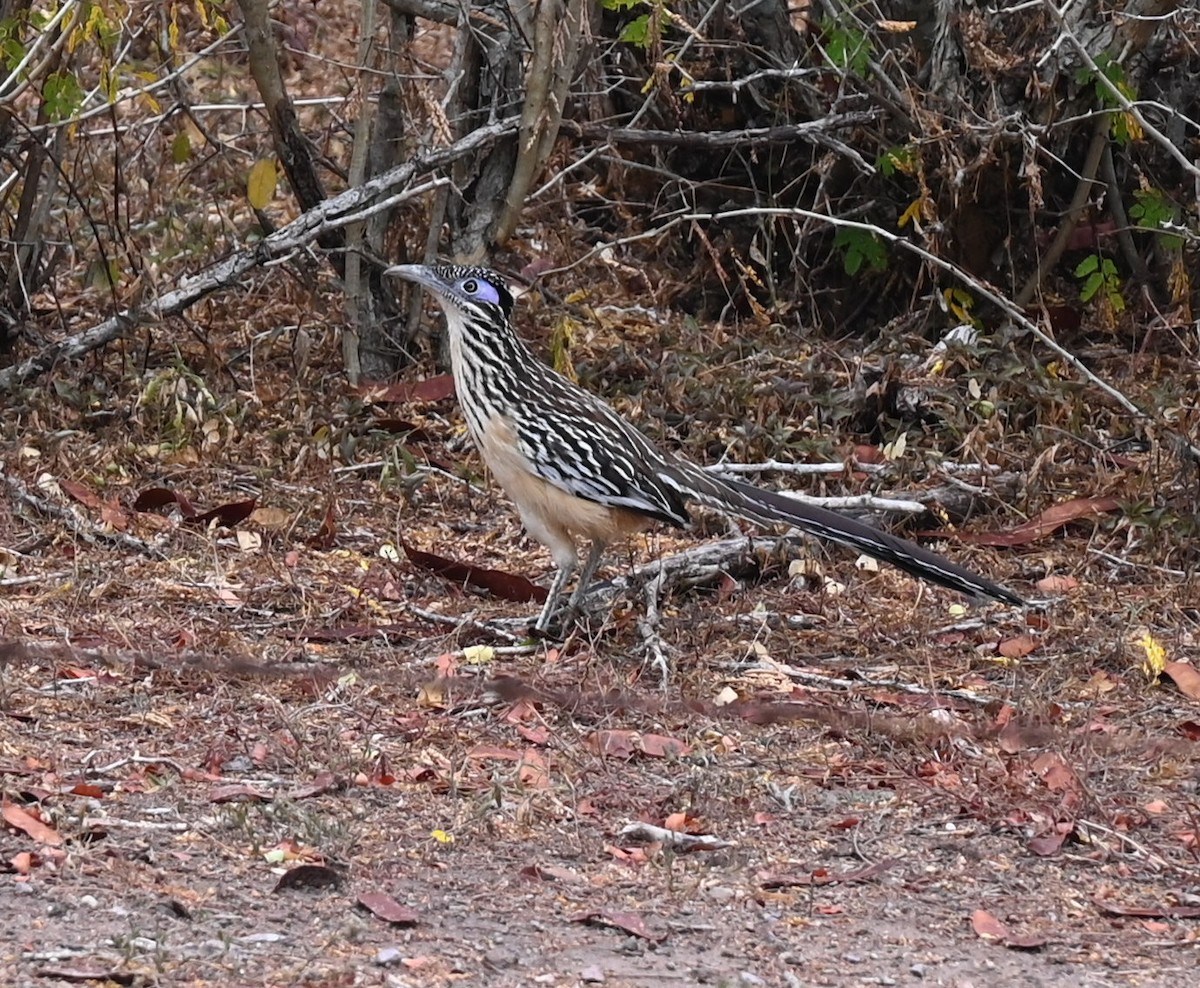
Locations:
column 552, row 873
column 661, row 746
column 1018, row 647
column 227, row 514
column 534, row 735
column 1056, row 584
column 505, row 586
column 321, row 784
column 868, row 454
column 87, row 789
column 237, row 793
column 309, row 876
column 436, row 388
column 987, row 927
column 486, row 751
column 81, row 493
column 822, row 876
column 676, row 821
column 764, row 819
column 21, row 819
column 521, row 710
column 22, row 862
column 388, row 909
column 534, row 770
column 630, row 855
column 1048, row 522
column 400, row 427
column 1049, row 844
column 1055, row 773
column 1190, row 729
column 326, row 535
column 1156, row 807
column 624, row 744
column 1186, row 677
column 1148, row 912
column 86, row 972
column 612, row 744
column 630, row 922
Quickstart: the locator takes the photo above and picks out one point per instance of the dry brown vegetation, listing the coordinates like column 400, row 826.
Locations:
column 247, row 736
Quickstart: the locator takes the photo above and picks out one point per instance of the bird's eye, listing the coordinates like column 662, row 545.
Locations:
column 470, row 286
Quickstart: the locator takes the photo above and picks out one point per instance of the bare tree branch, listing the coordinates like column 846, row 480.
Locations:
column 351, row 206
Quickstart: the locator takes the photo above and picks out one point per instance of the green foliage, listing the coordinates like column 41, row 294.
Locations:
column 63, row 96
column 847, row 47
column 901, row 158
column 1151, row 210
column 12, row 50
column 1099, row 274
column 637, row 32
column 644, row 29
column 859, row 247
column 1125, row 127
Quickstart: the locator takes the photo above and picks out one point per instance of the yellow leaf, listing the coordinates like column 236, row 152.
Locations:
column 479, row 655
column 260, row 186
column 913, row 213
column 442, row 837
column 1156, row 656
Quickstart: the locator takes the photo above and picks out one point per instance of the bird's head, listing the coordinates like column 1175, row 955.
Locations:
column 471, row 292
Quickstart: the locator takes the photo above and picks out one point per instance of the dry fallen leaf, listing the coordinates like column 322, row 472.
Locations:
column 1186, row 677
column 21, row 819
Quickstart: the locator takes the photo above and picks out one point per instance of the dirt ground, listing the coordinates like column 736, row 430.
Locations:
column 894, row 790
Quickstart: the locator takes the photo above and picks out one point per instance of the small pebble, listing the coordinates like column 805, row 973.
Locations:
column 591, row 976
column 87, row 901
column 388, row 956
column 917, row 970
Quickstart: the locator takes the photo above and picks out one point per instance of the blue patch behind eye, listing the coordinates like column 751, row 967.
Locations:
column 484, row 291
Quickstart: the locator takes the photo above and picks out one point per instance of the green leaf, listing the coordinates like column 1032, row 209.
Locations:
column 1090, row 287
column 63, row 95
column 859, row 247
column 847, row 48
column 619, row 4
column 1087, row 265
column 637, row 32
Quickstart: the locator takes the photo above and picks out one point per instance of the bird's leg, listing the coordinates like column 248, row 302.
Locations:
column 595, row 554
column 556, row 587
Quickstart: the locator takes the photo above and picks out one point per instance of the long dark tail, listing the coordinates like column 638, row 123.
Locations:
column 768, row 507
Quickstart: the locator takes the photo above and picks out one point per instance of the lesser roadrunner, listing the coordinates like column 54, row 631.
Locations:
column 575, row 469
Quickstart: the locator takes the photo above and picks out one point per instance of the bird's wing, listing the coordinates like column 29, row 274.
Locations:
column 599, row 457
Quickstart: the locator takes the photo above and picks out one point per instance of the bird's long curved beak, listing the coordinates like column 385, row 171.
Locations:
column 419, row 273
